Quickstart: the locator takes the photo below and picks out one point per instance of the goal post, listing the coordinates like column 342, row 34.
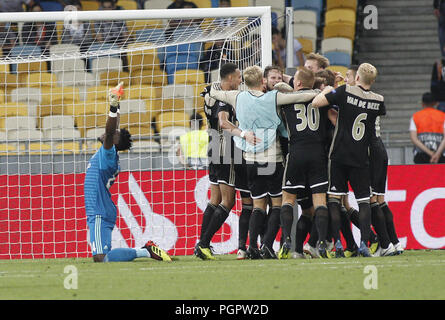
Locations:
column 53, row 106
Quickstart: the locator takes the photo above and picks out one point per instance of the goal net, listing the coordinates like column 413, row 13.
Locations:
column 56, row 69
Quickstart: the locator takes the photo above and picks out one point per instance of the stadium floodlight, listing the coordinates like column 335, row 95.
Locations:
column 55, row 74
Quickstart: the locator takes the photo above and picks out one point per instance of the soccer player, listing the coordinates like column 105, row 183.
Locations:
column 358, row 108
column 227, row 173
column 101, row 173
column 258, row 115
column 306, row 164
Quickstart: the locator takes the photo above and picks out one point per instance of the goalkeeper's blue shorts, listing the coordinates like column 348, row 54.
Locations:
column 100, row 234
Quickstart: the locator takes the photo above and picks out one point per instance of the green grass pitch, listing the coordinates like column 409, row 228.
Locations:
column 413, row 275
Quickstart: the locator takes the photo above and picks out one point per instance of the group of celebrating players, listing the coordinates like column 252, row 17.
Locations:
column 300, row 139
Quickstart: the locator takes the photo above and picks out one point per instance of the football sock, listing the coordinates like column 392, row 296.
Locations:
column 219, row 216
column 273, row 225
column 286, row 218
column 389, row 219
column 256, row 225
column 304, row 225
column 206, row 218
column 313, row 238
column 244, row 226
column 334, row 212
column 346, row 229
column 124, row 254
column 321, row 222
column 353, row 216
column 364, row 221
column 378, row 221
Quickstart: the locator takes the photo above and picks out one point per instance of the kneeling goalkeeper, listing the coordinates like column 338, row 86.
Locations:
column 101, row 173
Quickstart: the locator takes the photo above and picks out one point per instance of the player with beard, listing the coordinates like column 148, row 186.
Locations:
column 225, row 175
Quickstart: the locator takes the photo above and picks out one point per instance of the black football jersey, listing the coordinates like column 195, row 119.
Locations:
column 356, row 123
column 212, row 108
column 305, row 124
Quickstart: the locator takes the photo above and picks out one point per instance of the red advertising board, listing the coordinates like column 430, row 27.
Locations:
column 43, row 216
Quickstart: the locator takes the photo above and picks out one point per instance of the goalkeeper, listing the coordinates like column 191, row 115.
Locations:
column 101, row 173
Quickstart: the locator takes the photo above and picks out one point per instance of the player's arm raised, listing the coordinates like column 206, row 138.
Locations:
column 295, row 97
column 320, row 100
column 113, row 118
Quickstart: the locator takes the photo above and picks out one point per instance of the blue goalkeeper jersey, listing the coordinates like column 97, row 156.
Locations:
column 102, row 171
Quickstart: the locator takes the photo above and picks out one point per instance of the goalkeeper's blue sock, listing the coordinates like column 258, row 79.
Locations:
column 126, row 254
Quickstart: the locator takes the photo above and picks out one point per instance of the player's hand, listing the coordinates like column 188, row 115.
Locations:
column 116, row 94
column 435, row 158
column 252, row 138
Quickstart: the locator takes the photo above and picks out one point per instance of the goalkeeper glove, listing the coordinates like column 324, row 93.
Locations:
column 114, row 96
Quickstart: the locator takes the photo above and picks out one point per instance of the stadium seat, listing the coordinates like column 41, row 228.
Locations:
column 37, row 148
column 153, row 35
column 306, row 31
column 307, row 45
column 214, row 75
column 8, row 149
column 140, row 119
column 68, row 65
column 41, row 79
column 90, row 121
column 65, row 133
column 335, row 4
column 146, row 146
column 203, row 3
column 2, row 96
column 52, row 96
column 171, row 119
column 57, row 122
column 108, row 63
column 340, row 16
column 75, row 79
column 147, row 59
column 182, row 91
column 13, row 109
column 339, row 30
column 199, row 101
column 181, row 57
column 189, row 76
column 86, row 107
column 140, row 92
column 338, row 58
column 305, row 17
column 25, row 134
column 336, row 44
column 20, row 123
column 112, row 78
column 27, row 51
column 135, row 25
column 3, row 135
column 156, row 78
column 140, row 131
column 130, row 106
column 51, row 6
column 67, row 148
column 88, row 5
column 314, row 5
column 97, row 93
column 127, row 4
column 157, row 4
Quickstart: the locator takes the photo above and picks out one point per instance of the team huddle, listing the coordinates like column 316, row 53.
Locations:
column 301, row 139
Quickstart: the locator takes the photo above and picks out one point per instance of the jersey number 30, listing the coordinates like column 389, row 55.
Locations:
column 311, row 119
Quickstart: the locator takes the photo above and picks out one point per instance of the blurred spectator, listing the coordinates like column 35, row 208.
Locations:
column 438, row 83
column 280, row 52
column 224, row 22
column 114, row 32
column 212, row 57
column 439, row 12
column 77, row 32
column 52, row 5
column 8, row 37
column 14, row 5
column 42, row 34
column 192, row 149
column 181, row 4
column 427, row 131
